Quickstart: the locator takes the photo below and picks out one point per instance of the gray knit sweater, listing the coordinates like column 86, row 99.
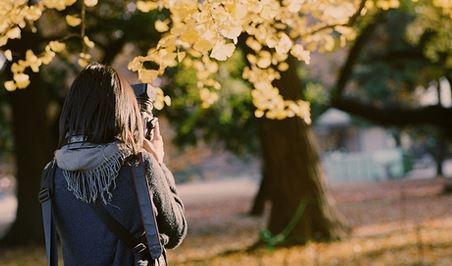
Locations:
column 87, row 241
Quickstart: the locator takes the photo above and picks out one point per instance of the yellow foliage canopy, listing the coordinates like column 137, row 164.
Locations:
column 198, row 34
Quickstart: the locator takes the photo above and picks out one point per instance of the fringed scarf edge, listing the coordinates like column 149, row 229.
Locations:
column 87, row 185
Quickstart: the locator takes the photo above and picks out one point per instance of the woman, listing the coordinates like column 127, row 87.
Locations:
column 100, row 130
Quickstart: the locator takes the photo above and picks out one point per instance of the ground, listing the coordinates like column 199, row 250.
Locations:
column 394, row 223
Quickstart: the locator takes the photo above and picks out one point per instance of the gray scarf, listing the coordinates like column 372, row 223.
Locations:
column 90, row 169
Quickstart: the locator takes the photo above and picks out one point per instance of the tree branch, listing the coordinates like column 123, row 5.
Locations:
column 112, row 50
column 346, row 71
column 432, row 115
column 387, row 115
column 350, row 21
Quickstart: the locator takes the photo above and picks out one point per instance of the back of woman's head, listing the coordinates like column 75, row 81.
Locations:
column 101, row 106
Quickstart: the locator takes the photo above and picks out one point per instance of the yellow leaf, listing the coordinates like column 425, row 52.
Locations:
column 258, row 113
column 264, row 60
column 3, row 40
column 294, row 5
column 221, row 51
column 47, row 57
column 90, row 3
column 10, row 85
column 284, row 44
column 231, row 31
column 253, row 44
column 161, row 26
column 33, row 13
column 88, row 42
column 57, row 46
column 301, row 54
column 17, row 68
column 283, row 66
column 8, row 55
column 147, row 75
column 73, row 21
column 135, row 64
column 22, row 80
column 202, row 45
column 146, row 6
column 180, row 56
column 85, row 56
column 13, row 33
column 190, row 36
column 32, row 60
column 167, row 100
column 82, row 62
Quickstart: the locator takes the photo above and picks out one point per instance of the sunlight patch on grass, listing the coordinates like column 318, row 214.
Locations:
column 429, row 243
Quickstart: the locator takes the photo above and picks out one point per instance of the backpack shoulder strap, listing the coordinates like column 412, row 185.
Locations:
column 45, row 198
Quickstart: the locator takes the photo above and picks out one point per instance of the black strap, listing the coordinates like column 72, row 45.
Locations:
column 118, row 229
column 147, row 210
column 45, row 198
column 152, row 236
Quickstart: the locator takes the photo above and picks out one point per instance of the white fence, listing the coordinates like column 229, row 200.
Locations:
column 342, row 167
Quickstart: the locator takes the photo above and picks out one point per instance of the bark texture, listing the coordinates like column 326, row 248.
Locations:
column 32, row 149
column 32, row 152
column 294, row 174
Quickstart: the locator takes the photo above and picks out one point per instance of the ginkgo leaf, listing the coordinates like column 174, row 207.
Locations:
column 300, row 53
column 13, row 33
column 90, row 3
column 264, row 62
column 258, row 113
column 221, row 50
column 32, row 61
column 8, row 55
column 146, row 6
column 202, row 45
column 57, row 46
column 231, row 31
column 253, row 44
column 283, row 66
column 88, row 42
column 294, row 5
column 147, row 75
column 73, row 21
column 10, row 85
column 47, row 57
column 82, row 62
column 284, row 44
column 161, row 26
column 181, row 56
column 167, row 100
column 22, row 80
column 190, row 36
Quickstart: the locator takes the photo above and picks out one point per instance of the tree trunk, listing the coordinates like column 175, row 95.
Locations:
column 292, row 163
column 262, row 195
column 32, row 151
column 441, row 147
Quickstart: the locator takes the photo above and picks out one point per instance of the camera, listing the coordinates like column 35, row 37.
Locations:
column 146, row 96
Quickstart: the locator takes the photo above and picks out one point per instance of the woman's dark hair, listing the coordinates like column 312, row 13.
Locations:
column 102, row 107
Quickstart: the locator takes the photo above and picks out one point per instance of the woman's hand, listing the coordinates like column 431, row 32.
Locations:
column 155, row 146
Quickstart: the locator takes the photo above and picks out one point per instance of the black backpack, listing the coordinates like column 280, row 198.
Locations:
column 147, row 247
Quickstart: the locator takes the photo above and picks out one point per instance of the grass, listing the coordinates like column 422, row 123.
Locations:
column 394, row 223
column 426, row 244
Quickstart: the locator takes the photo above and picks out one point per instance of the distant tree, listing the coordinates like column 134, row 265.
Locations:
column 386, row 63
column 387, row 66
